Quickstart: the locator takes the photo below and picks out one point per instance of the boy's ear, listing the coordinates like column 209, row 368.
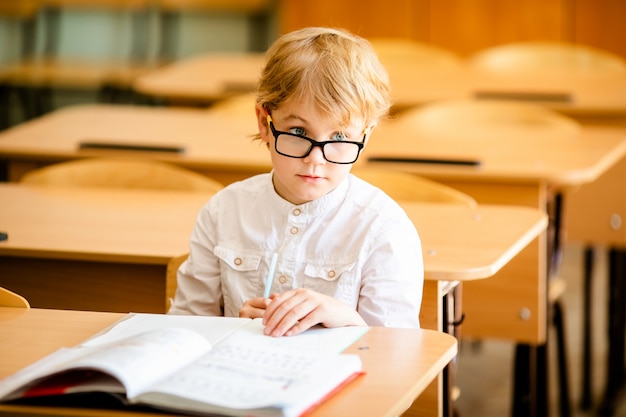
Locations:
column 370, row 130
column 261, row 116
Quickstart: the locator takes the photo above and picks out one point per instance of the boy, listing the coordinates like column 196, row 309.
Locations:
column 347, row 254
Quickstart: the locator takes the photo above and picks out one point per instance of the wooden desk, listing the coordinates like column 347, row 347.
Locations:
column 596, row 212
column 577, row 93
column 386, row 389
column 203, row 79
column 520, row 170
column 220, row 147
column 515, row 169
column 91, row 233
column 116, row 243
column 102, row 250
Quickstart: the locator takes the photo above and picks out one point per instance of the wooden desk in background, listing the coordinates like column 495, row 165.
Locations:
column 203, row 79
column 220, row 147
column 595, row 211
column 385, row 390
column 577, row 93
column 93, row 249
column 517, row 170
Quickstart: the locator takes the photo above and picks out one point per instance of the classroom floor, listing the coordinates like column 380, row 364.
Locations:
column 484, row 374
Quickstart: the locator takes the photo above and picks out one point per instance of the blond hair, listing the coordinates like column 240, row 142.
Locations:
column 338, row 71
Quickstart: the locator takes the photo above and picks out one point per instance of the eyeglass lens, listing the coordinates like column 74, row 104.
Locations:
column 298, row 147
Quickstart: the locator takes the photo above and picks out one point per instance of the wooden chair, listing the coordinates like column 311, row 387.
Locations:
column 240, row 105
column 403, row 186
column 530, row 56
column 171, row 280
column 120, row 173
column 410, row 53
column 240, row 108
column 485, row 118
column 508, row 120
column 10, row 299
column 406, row 60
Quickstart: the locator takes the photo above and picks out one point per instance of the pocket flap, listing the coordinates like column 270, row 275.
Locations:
column 237, row 259
column 327, row 272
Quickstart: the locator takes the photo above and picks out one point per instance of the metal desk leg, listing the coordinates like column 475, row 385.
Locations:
column 616, row 331
column 586, row 400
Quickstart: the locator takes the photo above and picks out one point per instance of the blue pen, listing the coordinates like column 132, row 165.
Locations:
column 270, row 276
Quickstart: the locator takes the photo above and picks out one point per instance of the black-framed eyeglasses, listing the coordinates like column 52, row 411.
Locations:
column 298, row 146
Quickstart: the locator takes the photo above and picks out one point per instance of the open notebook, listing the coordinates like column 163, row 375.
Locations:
column 196, row 365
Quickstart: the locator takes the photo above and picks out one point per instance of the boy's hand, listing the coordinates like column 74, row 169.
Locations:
column 254, row 308
column 297, row 310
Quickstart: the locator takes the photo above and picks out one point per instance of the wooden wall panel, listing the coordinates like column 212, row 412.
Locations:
column 601, row 23
column 467, row 26
column 368, row 18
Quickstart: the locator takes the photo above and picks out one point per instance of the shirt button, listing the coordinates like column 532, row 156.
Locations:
column 238, row 261
column 282, row 279
column 294, row 230
column 331, row 274
column 297, row 212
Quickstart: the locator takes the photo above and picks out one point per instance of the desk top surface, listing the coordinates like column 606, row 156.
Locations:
column 385, row 390
column 209, row 77
column 505, row 154
column 575, row 92
column 206, row 139
column 225, row 142
column 153, row 226
column 203, row 78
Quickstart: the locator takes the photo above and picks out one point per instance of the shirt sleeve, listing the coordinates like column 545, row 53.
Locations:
column 393, row 276
column 198, row 290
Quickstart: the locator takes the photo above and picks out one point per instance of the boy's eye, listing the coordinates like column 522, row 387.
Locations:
column 339, row 136
column 297, row 131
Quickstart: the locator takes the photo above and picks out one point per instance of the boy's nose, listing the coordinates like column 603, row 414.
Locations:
column 316, row 156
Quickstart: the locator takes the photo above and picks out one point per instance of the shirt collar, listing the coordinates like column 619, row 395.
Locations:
column 313, row 208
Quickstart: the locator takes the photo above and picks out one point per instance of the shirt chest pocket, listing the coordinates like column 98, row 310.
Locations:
column 327, row 272
column 238, row 260
column 338, row 280
column 327, row 277
column 240, row 271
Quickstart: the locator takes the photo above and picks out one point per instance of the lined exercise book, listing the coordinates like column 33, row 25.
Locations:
column 195, row 364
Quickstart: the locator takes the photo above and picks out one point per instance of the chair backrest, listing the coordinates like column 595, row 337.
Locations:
column 239, row 109
column 170, row 278
column 394, row 52
column 121, row 173
column 404, row 186
column 484, row 118
column 526, row 56
column 240, row 105
column 10, row 299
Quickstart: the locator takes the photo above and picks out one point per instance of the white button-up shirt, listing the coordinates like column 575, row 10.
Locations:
column 355, row 244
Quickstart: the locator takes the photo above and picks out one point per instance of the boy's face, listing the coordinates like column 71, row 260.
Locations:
column 300, row 180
